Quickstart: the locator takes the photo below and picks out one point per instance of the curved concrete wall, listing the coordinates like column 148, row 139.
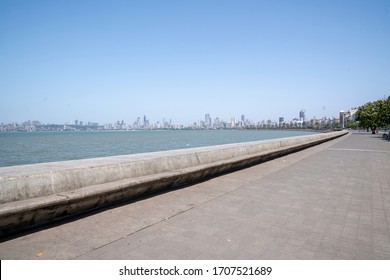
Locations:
column 34, row 194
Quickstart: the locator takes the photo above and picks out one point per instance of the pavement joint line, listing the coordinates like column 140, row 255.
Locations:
column 138, row 230
column 357, row 150
column 162, row 220
column 123, row 237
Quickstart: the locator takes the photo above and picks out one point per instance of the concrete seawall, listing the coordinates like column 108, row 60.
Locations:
column 33, row 195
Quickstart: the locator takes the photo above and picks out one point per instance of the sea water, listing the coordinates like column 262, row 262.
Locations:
column 18, row 148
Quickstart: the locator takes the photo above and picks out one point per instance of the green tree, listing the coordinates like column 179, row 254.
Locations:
column 353, row 125
column 373, row 115
column 386, row 113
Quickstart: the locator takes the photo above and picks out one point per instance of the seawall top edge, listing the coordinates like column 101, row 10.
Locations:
column 37, row 168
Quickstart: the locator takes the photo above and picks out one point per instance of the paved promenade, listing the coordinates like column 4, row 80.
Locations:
column 331, row 201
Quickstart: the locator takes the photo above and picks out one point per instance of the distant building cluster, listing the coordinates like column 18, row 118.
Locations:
column 207, row 123
column 346, row 117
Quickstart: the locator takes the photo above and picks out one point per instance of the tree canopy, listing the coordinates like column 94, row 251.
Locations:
column 374, row 114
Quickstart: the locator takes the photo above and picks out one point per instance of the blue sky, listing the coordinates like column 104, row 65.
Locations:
column 105, row 61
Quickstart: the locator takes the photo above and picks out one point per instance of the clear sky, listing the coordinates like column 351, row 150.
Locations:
column 104, row 61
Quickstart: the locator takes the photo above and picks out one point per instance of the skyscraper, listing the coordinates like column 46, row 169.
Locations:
column 207, row 120
column 302, row 115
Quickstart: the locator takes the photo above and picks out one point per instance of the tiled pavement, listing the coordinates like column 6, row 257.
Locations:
column 331, row 201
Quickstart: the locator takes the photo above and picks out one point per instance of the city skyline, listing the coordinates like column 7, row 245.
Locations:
column 206, row 117
column 171, row 116
column 208, row 122
column 110, row 60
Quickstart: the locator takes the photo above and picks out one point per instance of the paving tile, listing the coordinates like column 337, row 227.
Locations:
column 326, row 202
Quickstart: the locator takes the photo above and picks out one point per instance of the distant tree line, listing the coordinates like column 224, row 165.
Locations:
column 373, row 115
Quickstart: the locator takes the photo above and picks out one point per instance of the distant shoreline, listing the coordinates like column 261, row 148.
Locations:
column 172, row 129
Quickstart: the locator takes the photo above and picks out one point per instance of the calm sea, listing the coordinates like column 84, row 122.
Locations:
column 17, row 148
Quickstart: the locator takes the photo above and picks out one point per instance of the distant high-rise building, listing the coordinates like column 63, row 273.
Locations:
column 342, row 118
column 243, row 118
column 163, row 122
column 76, row 122
column 147, row 124
column 302, row 115
column 207, row 120
column 233, row 122
column 352, row 114
column 281, row 120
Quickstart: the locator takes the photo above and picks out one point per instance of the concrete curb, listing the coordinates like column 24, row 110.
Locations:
column 33, row 195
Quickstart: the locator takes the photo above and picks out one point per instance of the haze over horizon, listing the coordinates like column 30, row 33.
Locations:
column 104, row 61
